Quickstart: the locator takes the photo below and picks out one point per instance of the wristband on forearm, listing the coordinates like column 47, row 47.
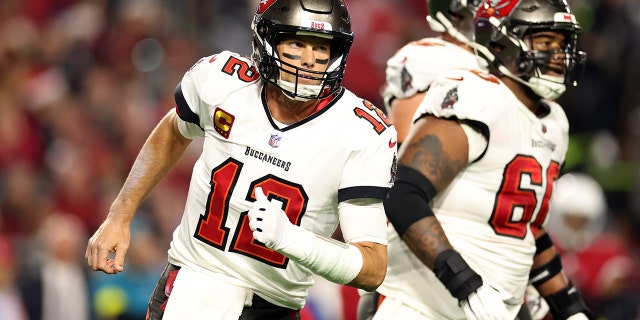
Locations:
column 456, row 275
column 545, row 272
column 566, row 303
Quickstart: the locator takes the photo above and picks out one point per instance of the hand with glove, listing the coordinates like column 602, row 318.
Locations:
column 478, row 300
column 268, row 221
column 336, row 261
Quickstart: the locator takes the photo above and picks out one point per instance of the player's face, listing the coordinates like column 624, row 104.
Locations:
column 306, row 52
column 552, row 42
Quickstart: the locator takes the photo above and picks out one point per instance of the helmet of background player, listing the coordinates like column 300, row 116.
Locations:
column 454, row 17
column 577, row 210
column 323, row 18
column 501, row 27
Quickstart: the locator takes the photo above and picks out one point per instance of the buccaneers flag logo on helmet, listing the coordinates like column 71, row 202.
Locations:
column 496, row 8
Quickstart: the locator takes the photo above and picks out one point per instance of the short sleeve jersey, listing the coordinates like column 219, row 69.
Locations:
column 414, row 67
column 346, row 150
column 494, row 206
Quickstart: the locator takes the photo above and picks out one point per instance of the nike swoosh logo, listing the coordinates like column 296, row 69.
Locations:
column 392, row 143
column 456, row 78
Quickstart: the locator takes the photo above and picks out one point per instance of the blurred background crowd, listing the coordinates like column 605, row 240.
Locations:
column 83, row 82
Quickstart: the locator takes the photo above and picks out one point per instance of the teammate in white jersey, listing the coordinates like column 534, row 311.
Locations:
column 288, row 155
column 412, row 69
column 476, row 175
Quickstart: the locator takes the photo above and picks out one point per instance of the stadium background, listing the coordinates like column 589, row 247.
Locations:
column 82, row 83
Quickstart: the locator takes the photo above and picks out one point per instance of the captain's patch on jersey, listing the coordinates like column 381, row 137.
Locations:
column 450, row 99
column 222, row 122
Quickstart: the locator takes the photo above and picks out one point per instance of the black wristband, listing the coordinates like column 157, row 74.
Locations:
column 456, row 275
column 543, row 273
column 566, row 303
column 543, row 243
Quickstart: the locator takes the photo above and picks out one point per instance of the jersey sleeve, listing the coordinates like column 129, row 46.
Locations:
column 411, row 70
column 459, row 94
column 369, row 171
column 201, row 87
column 416, row 65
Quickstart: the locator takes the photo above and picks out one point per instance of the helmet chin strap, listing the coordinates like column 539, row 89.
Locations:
column 544, row 86
column 549, row 87
column 309, row 90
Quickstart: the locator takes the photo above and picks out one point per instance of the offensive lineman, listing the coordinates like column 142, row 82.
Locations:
column 412, row 69
column 288, row 154
column 410, row 72
column 476, row 174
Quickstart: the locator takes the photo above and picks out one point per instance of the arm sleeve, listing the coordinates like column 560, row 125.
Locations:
column 363, row 220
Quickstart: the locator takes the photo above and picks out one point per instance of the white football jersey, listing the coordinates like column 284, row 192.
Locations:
column 493, row 206
column 346, row 150
column 414, row 67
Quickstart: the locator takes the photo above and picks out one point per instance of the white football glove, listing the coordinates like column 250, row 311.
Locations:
column 488, row 303
column 538, row 307
column 578, row 316
column 268, row 222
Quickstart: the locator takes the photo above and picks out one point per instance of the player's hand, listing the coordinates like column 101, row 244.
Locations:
column 538, row 307
column 487, row 303
column 108, row 246
column 267, row 221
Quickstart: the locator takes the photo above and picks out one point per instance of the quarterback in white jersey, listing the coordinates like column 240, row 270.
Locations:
column 476, row 175
column 336, row 154
column 288, row 155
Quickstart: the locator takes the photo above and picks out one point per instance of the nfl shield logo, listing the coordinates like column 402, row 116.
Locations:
column 274, row 140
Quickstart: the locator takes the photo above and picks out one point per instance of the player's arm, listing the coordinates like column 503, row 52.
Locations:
column 548, row 277
column 360, row 263
column 364, row 225
column 435, row 151
column 161, row 151
column 401, row 114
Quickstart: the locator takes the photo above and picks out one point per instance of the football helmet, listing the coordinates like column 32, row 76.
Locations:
column 500, row 29
column 327, row 18
column 578, row 210
column 453, row 16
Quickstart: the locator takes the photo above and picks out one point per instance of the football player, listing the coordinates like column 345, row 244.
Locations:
column 288, row 154
column 476, row 174
column 412, row 69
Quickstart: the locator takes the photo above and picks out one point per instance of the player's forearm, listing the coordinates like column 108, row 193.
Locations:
column 548, row 262
column 162, row 150
column 374, row 266
column 426, row 239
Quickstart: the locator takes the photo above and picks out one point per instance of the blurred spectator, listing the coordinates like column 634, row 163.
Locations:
column 58, row 290
column 594, row 256
column 11, row 306
column 84, row 81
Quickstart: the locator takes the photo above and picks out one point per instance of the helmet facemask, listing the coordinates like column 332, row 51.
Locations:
column 333, row 24
column 506, row 45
